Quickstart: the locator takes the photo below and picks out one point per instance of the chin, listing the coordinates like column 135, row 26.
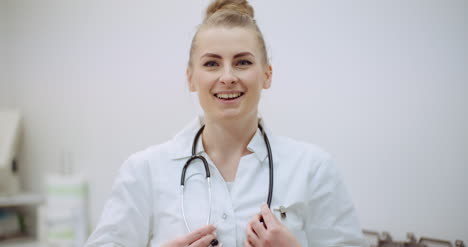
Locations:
column 231, row 115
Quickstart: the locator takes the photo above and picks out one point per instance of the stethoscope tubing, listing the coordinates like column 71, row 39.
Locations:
column 270, row 165
column 208, row 174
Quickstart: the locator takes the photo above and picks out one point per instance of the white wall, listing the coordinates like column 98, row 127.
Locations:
column 382, row 85
column 6, row 87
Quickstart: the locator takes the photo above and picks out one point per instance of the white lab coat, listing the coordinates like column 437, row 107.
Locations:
column 144, row 207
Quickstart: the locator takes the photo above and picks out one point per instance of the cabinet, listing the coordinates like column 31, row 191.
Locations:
column 28, row 205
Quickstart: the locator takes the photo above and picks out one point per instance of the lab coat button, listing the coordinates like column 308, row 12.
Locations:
column 225, row 216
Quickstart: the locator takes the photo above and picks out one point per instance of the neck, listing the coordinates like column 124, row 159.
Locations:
column 228, row 139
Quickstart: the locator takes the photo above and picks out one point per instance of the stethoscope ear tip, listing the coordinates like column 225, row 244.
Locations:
column 214, row 242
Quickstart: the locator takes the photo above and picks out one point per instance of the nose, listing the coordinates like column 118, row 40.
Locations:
column 228, row 77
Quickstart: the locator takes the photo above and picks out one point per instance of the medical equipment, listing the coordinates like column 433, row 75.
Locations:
column 9, row 143
column 208, row 175
column 384, row 239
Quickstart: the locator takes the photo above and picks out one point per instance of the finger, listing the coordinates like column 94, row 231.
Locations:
column 247, row 243
column 251, row 236
column 268, row 217
column 199, row 233
column 258, row 227
column 204, row 241
column 249, row 227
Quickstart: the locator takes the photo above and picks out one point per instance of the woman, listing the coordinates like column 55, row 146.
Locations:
column 228, row 68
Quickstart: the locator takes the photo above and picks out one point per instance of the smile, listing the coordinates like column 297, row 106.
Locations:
column 228, row 96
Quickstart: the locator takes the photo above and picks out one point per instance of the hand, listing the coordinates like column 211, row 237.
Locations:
column 201, row 237
column 271, row 233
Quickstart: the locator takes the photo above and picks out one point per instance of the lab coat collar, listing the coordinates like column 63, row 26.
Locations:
column 183, row 141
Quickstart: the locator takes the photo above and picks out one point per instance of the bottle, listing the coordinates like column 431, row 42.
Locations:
column 66, row 210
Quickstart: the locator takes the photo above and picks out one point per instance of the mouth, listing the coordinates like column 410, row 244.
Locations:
column 228, row 96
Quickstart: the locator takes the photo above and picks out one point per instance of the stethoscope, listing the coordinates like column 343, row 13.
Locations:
column 208, row 175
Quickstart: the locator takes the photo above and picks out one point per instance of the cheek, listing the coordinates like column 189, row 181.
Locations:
column 197, row 82
column 255, row 79
column 203, row 79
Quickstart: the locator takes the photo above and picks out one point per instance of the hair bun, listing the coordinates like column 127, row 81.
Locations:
column 241, row 6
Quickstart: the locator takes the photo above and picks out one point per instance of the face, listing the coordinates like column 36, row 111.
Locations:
column 228, row 73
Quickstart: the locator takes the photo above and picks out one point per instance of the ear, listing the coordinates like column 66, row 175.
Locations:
column 189, row 80
column 268, row 75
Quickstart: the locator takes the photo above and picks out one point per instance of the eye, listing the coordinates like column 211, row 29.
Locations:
column 244, row 62
column 210, row 64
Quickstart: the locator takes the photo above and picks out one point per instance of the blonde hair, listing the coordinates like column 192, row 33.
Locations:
column 230, row 14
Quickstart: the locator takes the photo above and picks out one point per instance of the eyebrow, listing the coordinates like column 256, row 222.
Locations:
column 213, row 55
column 244, row 54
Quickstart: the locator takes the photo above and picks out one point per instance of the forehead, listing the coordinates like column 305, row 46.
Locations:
column 226, row 41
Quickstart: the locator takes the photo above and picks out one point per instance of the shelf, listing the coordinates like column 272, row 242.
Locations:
column 21, row 242
column 23, row 199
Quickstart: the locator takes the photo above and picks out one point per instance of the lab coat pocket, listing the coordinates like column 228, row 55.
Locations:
column 293, row 217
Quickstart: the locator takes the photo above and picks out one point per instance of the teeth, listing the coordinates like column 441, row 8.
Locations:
column 228, row 95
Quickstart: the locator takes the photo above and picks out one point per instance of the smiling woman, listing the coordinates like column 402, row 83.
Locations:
column 242, row 163
column 228, row 72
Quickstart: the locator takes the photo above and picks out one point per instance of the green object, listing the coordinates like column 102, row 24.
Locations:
column 22, row 223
